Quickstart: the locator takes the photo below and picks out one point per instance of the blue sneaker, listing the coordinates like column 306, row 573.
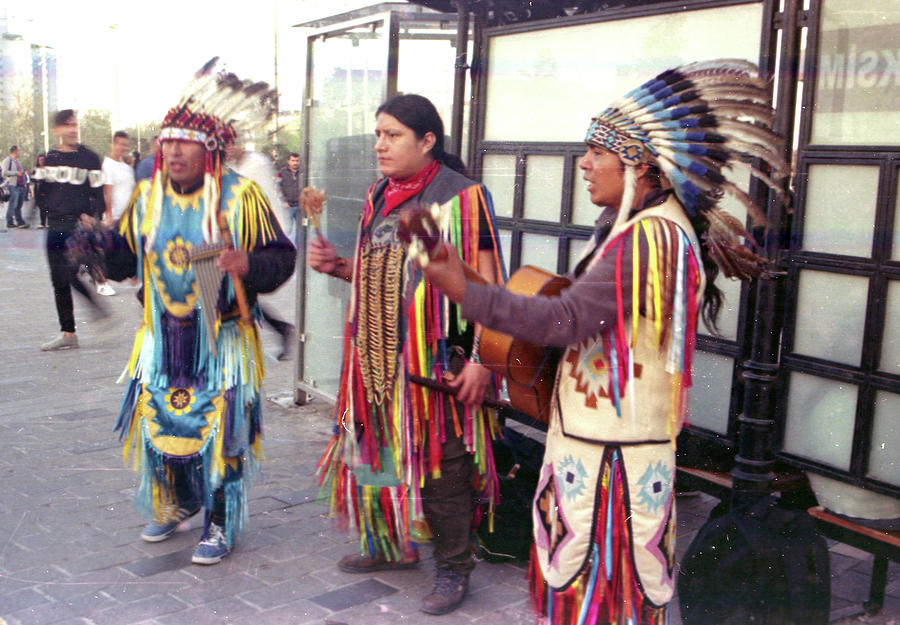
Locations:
column 157, row 530
column 212, row 548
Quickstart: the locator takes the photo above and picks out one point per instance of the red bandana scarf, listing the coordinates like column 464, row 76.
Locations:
column 398, row 191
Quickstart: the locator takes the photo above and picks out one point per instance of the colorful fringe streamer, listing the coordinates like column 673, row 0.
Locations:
column 667, row 299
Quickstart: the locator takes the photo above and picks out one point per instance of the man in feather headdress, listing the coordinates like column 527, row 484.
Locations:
column 192, row 409
column 604, row 514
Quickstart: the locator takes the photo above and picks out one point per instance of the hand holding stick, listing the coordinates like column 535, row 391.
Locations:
column 239, row 293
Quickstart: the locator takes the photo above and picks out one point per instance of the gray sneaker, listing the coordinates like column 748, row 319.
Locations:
column 60, row 342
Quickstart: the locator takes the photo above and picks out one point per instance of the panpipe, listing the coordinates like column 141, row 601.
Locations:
column 209, row 278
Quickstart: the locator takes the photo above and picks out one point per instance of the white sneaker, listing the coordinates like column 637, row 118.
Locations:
column 60, row 342
column 105, row 289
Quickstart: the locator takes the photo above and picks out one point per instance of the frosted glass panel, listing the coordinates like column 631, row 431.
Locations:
column 584, row 212
column 433, row 48
column 884, row 452
column 831, row 313
column 820, row 418
column 326, row 303
column 711, row 393
column 856, row 86
column 543, row 187
column 499, row 176
column 890, row 343
column 539, row 250
column 576, row 249
column 506, row 246
column 545, row 85
column 895, row 248
column 348, row 84
column 833, row 192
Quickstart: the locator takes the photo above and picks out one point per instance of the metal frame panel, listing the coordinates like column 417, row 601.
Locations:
column 877, row 268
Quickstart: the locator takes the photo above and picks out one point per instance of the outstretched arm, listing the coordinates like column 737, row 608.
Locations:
column 579, row 312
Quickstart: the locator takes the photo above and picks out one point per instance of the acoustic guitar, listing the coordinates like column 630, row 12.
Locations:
column 529, row 369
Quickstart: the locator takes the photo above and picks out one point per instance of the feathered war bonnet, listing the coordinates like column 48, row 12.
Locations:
column 214, row 110
column 692, row 122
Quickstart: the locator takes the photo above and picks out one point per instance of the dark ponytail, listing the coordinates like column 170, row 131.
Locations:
column 712, row 295
column 419, row 114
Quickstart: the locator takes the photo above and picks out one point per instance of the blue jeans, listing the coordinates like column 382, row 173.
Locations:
column 295, row 219
column 14, row 208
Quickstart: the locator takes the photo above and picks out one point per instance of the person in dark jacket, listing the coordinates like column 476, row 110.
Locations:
column 289, row 186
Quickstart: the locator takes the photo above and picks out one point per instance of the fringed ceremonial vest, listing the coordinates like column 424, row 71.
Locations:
column 185, row 407
column 388, row 430
column 604, row 516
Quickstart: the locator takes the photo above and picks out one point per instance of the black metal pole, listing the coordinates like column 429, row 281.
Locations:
column 755, row 459
column 459, row 77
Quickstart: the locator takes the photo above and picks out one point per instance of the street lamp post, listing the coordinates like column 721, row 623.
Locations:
column 42, row 55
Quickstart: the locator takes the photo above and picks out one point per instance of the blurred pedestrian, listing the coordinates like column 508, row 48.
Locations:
column 40, row 192
column 16, row 180
column 118, row 183
column 73, row 181
column 144, row 169
column 258, row 168
column 118, row 177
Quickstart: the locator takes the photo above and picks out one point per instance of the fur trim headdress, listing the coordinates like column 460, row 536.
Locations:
column 214, row 110
column 692, row 122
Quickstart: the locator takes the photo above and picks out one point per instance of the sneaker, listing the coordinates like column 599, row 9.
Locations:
column 61, row 342
column 104, row 289
column 42, row 227
column 159, row 530
column 369, row 564
column 212, row 548
column 448, row 592
column 23, row 226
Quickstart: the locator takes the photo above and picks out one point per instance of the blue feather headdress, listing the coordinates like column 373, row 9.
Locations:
column 692, row 122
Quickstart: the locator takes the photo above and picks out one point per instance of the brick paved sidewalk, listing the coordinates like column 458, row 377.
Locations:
column 69, row 546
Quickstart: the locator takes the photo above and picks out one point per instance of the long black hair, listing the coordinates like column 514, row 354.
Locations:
column 419, row 114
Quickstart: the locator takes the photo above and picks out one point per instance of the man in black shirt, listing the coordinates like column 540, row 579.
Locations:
column 74, row 187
